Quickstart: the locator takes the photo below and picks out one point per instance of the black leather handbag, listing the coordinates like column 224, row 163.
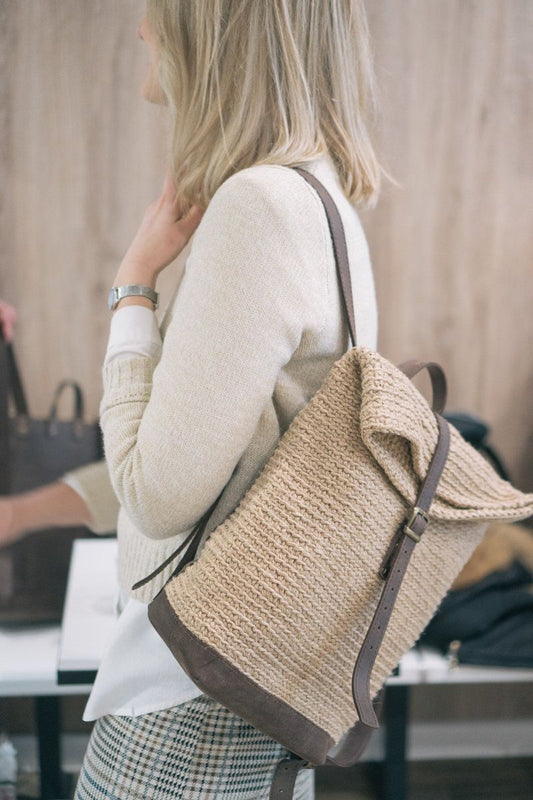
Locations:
column 33, row 571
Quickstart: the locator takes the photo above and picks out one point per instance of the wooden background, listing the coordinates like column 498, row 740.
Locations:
column 82, row 155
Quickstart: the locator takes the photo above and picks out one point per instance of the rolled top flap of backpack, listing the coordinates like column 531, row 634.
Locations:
column 399, row 428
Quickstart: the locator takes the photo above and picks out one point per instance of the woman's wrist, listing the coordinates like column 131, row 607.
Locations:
column 131, row 272
column 53, row 505
column 26, row 515
column 134, row 301
column 15, row 519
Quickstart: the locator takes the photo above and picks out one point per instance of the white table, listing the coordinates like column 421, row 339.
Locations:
column 52, row 659
column 28, row 668
column 48, row 661
column 89, row 615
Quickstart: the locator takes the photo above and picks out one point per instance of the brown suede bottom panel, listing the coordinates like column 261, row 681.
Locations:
column 226, row 684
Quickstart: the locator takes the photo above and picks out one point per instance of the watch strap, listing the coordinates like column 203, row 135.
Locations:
column 117, row 293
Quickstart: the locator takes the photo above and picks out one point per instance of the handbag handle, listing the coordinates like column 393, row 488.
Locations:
column 11, row 385
column 4, row 425
column 11, row 381
column 77, row 420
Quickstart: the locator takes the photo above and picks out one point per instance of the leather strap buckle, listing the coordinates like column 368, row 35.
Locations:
column 407, row 529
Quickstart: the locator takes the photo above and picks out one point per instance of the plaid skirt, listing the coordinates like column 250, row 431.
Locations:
column 195, row 751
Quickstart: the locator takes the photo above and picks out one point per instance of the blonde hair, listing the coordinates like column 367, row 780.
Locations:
column 266, row 82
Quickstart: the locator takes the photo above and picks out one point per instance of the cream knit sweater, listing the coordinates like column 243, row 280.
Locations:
column 255, row 325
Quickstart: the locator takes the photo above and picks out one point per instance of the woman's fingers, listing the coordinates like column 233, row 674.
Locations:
column 190, row 221
column 171, row 194
column 169, row 189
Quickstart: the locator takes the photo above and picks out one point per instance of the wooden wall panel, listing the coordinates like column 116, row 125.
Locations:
column 82, row 158
column 452, row 247
column 82, row 155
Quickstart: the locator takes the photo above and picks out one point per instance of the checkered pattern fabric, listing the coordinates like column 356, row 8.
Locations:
column 196, row 751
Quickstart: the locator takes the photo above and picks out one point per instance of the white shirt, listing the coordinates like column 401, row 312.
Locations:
column 138, row 673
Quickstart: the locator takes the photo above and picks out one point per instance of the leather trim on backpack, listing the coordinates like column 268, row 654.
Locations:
column 222, row 681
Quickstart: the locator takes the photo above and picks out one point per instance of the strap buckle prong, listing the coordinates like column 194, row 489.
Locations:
column 407, row 529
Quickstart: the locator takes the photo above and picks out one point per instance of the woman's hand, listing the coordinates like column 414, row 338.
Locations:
column 161, row 237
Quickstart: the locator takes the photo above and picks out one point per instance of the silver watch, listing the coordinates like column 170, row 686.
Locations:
column 116, row 293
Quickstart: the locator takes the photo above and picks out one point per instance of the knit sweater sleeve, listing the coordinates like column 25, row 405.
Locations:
column 93, row 484
column 174, row 429
column 134, row 330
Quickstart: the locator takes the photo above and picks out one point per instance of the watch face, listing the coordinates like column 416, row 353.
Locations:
column 111, row 298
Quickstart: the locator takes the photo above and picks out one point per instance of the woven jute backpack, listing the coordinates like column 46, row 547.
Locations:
column 303, row 600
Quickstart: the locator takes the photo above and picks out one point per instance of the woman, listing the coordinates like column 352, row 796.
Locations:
column 255, row 324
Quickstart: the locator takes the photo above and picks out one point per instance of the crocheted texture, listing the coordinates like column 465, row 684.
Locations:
column 287, row 585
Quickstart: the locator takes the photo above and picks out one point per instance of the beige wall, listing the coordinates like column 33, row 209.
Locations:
column 82, row 155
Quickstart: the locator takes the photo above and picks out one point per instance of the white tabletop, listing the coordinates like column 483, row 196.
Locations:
column 89, row 615
column 28, row 662
column 35, row 659
column 435, row 668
